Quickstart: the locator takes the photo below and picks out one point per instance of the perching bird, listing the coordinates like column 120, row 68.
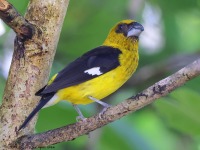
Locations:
column 97, row 73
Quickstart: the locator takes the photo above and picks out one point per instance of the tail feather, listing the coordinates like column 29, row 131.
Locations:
column 44, row 100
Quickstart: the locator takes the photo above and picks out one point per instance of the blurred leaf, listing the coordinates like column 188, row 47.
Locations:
column 194, row 84
column 21, row 7
column 153, row 130
column 181, row 111
column 172, row 6
column 87, row 26
column 116, row 140
column 187, row 22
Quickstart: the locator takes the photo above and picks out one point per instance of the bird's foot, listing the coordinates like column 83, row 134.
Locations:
column 103, row 110
column 105, row 105
column 80, row 118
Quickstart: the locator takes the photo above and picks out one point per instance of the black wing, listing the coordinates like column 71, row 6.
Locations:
column 104, row 57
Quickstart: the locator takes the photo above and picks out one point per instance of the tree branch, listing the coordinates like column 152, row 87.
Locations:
column 132, row 104
column 15, row 21
column 33, row 55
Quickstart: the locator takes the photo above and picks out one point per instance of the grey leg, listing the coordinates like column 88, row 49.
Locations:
column 80, row 117
column 105, row 105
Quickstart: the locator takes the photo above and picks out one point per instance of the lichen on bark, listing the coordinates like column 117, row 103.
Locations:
column 30, row 67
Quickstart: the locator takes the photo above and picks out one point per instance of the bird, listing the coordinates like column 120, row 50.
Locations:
column 96, row 74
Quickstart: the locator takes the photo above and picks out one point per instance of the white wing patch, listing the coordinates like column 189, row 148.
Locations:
column 93, row 71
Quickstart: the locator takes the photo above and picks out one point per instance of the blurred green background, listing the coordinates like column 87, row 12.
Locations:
column 170, row 41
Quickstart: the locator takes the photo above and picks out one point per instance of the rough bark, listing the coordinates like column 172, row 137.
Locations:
column 31, row 63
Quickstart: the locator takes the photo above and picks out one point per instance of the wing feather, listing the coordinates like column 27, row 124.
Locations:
column 107, row 58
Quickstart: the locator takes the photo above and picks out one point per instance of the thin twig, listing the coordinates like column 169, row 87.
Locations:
column 72, row 131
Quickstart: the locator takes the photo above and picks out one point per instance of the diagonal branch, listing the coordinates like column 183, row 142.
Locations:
column 132, row 104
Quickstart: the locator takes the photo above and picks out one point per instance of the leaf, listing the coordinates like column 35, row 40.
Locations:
column 181, row 111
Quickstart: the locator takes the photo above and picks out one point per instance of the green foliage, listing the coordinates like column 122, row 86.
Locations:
column 172, row 123
column 190, row 39
column 85, row 28
column 21, row 7
column 181, row 111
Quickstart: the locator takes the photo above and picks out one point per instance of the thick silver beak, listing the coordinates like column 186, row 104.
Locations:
column 135, row 30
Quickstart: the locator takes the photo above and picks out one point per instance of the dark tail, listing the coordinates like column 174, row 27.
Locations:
column 41, row 103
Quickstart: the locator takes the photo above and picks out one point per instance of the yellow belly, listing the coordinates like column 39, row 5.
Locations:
column 101, row 86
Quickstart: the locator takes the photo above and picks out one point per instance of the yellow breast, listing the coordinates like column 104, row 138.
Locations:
column 109, row 82
column 104, row 85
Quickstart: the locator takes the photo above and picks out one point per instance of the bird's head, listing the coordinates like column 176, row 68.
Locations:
column 124, row 32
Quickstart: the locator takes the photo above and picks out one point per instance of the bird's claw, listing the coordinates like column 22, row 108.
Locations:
column 80, row 118
column 103, row 111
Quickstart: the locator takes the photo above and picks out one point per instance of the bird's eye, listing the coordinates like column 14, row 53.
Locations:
column 121, row 26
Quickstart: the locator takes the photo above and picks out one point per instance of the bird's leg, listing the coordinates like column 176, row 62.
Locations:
column 105, row 105
column 80, row 117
